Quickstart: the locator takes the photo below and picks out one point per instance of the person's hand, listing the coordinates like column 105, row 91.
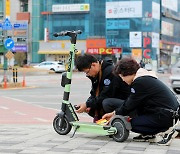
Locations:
column 88, row 109
column 82, row 108
column 108, row 116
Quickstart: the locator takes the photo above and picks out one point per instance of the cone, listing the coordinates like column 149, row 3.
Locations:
column 23, row 83
column 5, row 82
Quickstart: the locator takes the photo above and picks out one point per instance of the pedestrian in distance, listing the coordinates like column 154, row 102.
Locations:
column 155, row 105
column 142, row 64
column 100, row 72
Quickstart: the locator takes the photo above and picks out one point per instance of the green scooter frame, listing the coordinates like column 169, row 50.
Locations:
column 118, row 128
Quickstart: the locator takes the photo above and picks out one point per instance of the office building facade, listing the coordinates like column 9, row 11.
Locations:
column 144, row 29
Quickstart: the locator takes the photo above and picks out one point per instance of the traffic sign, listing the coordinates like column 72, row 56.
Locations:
column 20, row 26
column 9, row 43
column 9, row 55
column 6, row 25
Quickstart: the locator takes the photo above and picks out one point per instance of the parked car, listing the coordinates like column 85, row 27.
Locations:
column 175, row 77
column 161, row 70
column 51, row 65
column 148, row 67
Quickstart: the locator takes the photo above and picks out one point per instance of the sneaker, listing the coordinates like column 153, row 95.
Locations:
column 144, row 138
column 167, row 138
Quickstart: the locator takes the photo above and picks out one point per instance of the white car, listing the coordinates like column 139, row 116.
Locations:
column 148, row 67
column 51, row 65
column 175, row 77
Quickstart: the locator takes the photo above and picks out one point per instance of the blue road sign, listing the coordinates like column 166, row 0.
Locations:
column 6, row 25
column 20, row 26
column 9, row 43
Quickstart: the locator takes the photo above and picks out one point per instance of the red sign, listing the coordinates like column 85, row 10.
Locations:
column 147, row 52
column 146, row 42
column 104, row 51
column 95, row 43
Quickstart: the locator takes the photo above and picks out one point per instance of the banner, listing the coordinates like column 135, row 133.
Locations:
column 104, row 51
column 130, row 9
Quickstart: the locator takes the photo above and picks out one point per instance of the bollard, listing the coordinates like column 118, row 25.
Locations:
column 15, row 75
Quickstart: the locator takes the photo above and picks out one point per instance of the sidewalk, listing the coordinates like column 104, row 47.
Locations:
column 42, row 139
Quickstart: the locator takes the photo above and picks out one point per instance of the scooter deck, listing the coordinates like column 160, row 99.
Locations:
column 94, row 128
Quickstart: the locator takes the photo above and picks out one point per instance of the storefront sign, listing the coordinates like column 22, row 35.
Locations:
column 117, row 42
column 176, row 49
column 20, row 26
column 137, row 54
column 130, row 9
column 146, row 45
column 135, row 39
column 71, row 8
column 20, row 33
column 167, row 28
column 155, row 40
column 22, row 48
column 103, row 51
column 8, row 8
column 170, row 4
column 155, row 10
column 117, row 24
column 147, row 53
column 96, row 43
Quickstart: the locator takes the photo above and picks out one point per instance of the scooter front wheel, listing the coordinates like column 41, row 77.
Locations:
column 122, row 133
column 61, row 125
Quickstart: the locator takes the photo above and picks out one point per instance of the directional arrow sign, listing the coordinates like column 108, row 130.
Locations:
column 9, row 43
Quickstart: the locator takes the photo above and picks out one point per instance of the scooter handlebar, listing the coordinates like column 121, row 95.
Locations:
column 66, row 33
column 59, row 34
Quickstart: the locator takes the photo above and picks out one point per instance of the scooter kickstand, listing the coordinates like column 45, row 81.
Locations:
column 76, row 127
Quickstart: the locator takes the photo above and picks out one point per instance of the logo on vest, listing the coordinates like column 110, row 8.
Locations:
column 107, row 82
column 132, row 90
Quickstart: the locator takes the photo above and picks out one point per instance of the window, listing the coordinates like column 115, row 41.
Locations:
column 24, row 5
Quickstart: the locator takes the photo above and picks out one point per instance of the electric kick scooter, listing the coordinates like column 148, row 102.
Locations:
column 119, row 126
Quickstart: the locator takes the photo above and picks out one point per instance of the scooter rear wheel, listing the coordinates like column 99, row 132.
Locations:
column 61, row 125
column 122, row 133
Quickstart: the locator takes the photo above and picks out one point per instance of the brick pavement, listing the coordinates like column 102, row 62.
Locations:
column 27, row 129
column 42, row 139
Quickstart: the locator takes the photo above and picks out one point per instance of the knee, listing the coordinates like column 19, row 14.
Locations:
column 105, row 104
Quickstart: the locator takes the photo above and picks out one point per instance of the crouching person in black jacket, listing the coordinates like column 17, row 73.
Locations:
column 101, row 75
column 153, row 101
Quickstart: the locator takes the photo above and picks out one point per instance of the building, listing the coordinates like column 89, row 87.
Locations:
column 146, row 29
column 19, row 20
column 87, row 16
column 170, row 32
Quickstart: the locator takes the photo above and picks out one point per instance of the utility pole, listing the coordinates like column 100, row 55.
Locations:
column 6, row 25
column 160, row 22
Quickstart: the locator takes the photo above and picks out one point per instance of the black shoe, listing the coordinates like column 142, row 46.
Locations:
column 144, row 138
column 167, row 138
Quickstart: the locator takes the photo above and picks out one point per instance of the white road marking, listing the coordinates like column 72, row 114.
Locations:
column 42, row 120
column 4, row 107
column 31, row 103
column 20, row 113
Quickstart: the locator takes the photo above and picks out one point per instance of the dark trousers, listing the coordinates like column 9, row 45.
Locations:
column 150, row 124
column 110, row 104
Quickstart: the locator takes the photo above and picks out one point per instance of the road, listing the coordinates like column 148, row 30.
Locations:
column 41, row 99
